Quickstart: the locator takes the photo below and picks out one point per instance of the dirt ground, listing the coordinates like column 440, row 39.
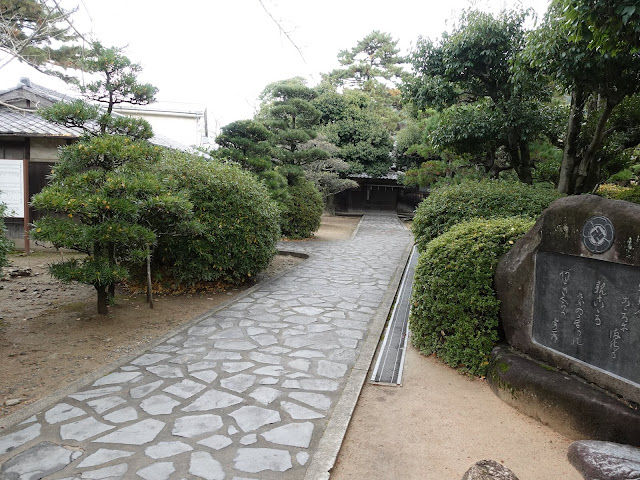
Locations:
column 438, row 424
column 51, row 335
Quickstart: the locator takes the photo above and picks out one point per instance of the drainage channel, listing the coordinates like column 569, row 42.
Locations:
column 390, row 361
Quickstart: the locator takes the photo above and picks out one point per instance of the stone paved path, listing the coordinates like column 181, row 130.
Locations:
column 247, row 392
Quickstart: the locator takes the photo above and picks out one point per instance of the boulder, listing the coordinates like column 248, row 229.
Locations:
column 605, row 460
column 489, row 470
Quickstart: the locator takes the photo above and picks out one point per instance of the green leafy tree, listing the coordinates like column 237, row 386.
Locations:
column 103, row 199
column 247, row 143
column 5, row 244
column 598, row 83
column 363, row 139
column 487, row 102
column 38, row 33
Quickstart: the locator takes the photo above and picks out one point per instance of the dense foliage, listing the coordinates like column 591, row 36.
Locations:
column 237, row 223
column 454, row 307
column 302, row 210
column 5, row 244
column 452, row 204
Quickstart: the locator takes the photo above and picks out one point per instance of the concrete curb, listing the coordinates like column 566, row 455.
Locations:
column 37, row 406
column 330, row 443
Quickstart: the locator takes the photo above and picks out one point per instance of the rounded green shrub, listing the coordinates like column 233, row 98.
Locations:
column 5, row 244
column 452, row 204
column 302, row 210
column 237, row 223
column 454, row 307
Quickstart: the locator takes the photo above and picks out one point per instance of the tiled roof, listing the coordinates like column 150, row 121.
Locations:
column 30, row 124
column 388, row 176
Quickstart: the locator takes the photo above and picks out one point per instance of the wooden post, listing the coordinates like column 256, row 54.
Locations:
column 25, row 194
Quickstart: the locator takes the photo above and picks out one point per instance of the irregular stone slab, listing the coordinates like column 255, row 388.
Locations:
column 331, row 369
column 185, row 359
column 348, row 342
column 241, row 345
column 250, row 418
column 211, row 400
column 103, row 455
column 202, row 331
column 15, row 439
column 129, row 368
column 117, row 377
column 307, row 354
column 272, row 370
column 276, row 350
column 298, row 412
column 265, row 395
column 316, row 400
column 38, row 461
column 83, row 429
column 216, row 442
column 159, row 405
column 300, row 319
column 251, row 331
column 149, row 359
column 166, row 371
column 318, row 384
column 203, row 365
column 108, row 473
column 234, row 367
column 207, row 376
column 489, row 470
column 205, row 466
column 193, row 426
column 137, row 434
column 265, row 358
column 62, row 412
column 300, row 364
column 218, row 355
column 249, row 439
column 98, row 392
column 142, row 390
column 597, row 460
column 293, row 435
column 157, row 471
column 238, row 383
column 319, row 328
column 302, row 458
column 185, row 389
column 343, row 332
column 123, row 415
column 311, row 311
column 101, row 405
column 298, row 375
column 29, row 420
column 254, row 460
column 228, row 334
column 269, row 381
column 166, row 449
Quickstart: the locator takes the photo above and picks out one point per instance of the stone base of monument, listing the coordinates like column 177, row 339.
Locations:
column 565, row 402
column 605, row 460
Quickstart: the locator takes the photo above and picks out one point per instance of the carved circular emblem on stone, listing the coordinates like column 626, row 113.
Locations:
column 597, row 234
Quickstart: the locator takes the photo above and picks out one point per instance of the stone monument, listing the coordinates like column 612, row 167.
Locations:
column 570, row 311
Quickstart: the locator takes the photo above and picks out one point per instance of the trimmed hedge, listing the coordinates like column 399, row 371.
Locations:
column 303, row 209
column 454, row 307
column 237, row 222
column 452, row 204
column 5, row 244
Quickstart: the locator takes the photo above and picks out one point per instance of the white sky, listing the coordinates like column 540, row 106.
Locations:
column 222, row 53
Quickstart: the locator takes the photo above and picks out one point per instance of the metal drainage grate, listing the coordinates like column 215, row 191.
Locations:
column 390, row 360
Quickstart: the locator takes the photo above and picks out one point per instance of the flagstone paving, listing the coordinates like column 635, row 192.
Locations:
column 245, row 393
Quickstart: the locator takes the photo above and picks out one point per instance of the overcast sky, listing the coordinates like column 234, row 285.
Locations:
column 222, row 53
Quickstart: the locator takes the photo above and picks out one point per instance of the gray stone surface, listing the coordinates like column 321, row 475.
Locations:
column 247, row 390
column 597, row 460
column 489, row 470
column 254, row 460
column 39, row 461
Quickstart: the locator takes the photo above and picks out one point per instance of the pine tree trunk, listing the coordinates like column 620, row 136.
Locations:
column 149, row 283
column 102, row 299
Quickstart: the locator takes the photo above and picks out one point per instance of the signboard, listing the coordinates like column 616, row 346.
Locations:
column 589, row 310
column 12, row 187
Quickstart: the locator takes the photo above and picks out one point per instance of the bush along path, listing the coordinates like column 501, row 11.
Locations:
column 255, row 389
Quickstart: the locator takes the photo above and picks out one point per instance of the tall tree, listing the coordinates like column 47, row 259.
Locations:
column 598, row 83
column 105, row 200
column 39, row 33
column 488, row 103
